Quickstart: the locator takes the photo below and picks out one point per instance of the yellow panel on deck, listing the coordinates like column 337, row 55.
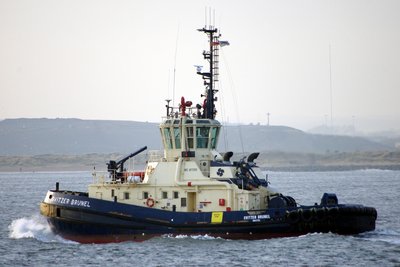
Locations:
column 217, row 217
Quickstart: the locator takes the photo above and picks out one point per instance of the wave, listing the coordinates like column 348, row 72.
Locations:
column 374, row 170
column 35, row 227
column 196, row 237
column 383, row 235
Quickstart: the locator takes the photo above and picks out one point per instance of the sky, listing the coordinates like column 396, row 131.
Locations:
column 118, row 60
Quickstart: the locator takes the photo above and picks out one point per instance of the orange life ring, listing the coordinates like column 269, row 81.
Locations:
column 150, row 202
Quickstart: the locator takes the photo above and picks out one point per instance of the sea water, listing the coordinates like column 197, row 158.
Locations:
column 26, row 239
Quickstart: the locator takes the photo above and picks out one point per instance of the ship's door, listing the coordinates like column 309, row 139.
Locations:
column 191, row 201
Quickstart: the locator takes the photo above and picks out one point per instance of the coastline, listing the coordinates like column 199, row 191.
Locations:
column 268, row 161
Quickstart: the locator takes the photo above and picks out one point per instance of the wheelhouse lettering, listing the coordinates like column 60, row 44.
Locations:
column 191, row 170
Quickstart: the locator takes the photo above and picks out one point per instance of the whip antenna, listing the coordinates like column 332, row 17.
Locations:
column 174, row 79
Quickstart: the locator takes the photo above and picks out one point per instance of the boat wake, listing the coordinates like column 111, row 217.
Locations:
column 383, row 235
column 196, row 237
column 35, row 227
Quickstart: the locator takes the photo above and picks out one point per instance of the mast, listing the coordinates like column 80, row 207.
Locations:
column 211, row 76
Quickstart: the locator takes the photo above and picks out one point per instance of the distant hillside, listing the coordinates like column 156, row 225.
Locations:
column 76, row 137
column 278, row 161
column 286, row 139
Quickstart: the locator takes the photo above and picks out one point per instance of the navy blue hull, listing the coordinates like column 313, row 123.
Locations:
column 77, row 217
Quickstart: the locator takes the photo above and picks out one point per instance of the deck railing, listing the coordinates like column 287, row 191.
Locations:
column 155, row 155
column 100, row 177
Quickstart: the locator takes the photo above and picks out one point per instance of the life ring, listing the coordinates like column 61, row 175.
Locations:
column 150, row 202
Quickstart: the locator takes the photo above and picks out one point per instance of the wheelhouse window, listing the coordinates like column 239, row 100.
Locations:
column 168, row 137
column 190, row 137
column 202, row 134
column 214, row 137
column 177, row 137
column 176, row 194
column 164, row 195
column 145, row 195
column 126, row 195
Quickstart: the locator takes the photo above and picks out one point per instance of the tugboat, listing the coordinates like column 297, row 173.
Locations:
column 191, row 189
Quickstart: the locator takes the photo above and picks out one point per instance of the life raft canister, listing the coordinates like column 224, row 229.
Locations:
column 140, row 174
column 150, row 202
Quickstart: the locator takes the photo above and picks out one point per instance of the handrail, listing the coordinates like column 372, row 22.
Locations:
column 105, row 177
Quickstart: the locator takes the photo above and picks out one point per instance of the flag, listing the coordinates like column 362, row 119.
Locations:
column 220, row 43
column 223, row 43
